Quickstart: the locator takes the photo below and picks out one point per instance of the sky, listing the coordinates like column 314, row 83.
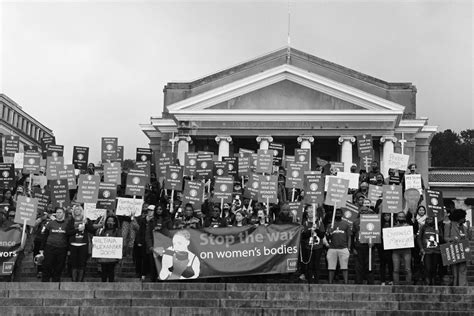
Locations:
column 92, row 69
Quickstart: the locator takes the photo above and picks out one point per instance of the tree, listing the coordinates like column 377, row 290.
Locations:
column 450, row 149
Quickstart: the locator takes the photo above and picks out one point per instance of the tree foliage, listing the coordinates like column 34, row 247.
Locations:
column 450, row 149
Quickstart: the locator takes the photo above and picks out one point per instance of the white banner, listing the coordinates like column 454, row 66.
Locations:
column 413, row 181
column 398, row 237
column 93, row 213
column 107, row 247
column 398, row 161
column 129, row 207
column 352, row 177
column 18, row 160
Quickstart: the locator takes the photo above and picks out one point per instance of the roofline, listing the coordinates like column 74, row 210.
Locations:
column 293, row 53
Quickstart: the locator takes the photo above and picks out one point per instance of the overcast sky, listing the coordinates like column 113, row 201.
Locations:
column 88, row 69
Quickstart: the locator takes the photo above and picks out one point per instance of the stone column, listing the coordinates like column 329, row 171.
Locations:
column 388, row 148
column 346, row 151
column 305, row 142
column 183, row 146
column 264, row 141
column 223, row 142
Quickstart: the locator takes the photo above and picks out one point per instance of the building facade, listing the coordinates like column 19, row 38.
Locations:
column 15, row 121
column 296, row 99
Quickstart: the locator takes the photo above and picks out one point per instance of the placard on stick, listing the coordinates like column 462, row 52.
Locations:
column 253, row 186
column 190, row 162
column 7, row 175
column 232, row 166
column 109, row 149
column 88, row 190
column 113, row 172
column 54, row 150
column 337, row 191
column 302, row 156
column 164, row 159
column 136, row 180
column 223, row 188
column 205, row 166
column 80, row 157
column 92, row 212
column 268, row 189
column 456, row 252
column 31, row 162
column 53, row 164
column 45, row 141
column 143, row 154
column 264, row 161
column 59, row 193
column 67, row 172
column 12, row 145
column 26, row 209
column 174, row 178
column 220, row 169
column 398, row 161
column 392, row 199
column 244, row 161
column 313, row 187
column 107, row 195
column 278, row 153
column 375, row 193
column 370, row 229
column 193, row 192
column 413, row 181
column 294, row 176
column 128, row 206
column 398, row 237
column 434, row 204
column 43, row 196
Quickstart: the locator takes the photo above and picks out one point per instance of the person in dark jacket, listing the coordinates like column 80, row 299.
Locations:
column 312, row 244
column 140, row 258
column 160, row 222
column 38, row 232
column 111, row 229
column 361, row 252
column 55, row 245
column 428, row 243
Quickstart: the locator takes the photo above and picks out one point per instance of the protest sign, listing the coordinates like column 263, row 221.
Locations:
column 80, row 157
column 107, row 247
column 31, row 148
column 288, row 160
column 413, row 181
column 119, row 154
column 128, row 206
column 10, row 238
column 232, row 166
column 109, row 149
column 106, row 196
column 92, row 212
column 88, row 188
column 220, row 169
column 264, row 161
column 364, row 145
column 302, row 156
column 193, row 193
column 136, row 181
column 31, row 162
column 398, row 237
column 174, row 178
column 43, row 196
column 26, row 208
column 244, row 161
column 278, row 153
column 294, row 176
column 296, row 211
column 113, row 172
column 455, row 252
column 352, row 177
column 253, row 186
column 67, row 172
column 370, row 229
column 336, row 167
column 350, row 213
column 253, row 162
column 337, row 191
column 246, row 151
column 143, row 154
column 313, row 187
column 53, row 164
column 205, row 166
column 53, row 150
column 7, row 175
column 223, row 188
column 18, row 159
column 434, row 204
column 45, row 141
column 230, row 251
column 392, row 201
column 267, row 192
column 398, row 161
column 163, row 160
column 190, row 162
column 59, row 193
column 375, row 193
column 40, row 181
column 12, row 145
column 145, row 166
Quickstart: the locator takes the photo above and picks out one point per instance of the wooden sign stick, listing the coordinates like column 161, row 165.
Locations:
column 334, row 215
column 292, row 194
column 370, row 254
column 436, row 227
column 222, row 207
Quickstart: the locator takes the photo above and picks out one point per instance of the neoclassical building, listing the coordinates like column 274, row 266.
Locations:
column 296, row 99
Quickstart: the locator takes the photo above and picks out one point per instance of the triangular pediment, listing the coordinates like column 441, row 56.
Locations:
column 285, row 95
column 276, row 87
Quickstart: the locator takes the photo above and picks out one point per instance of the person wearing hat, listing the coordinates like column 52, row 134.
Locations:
column 456, row 231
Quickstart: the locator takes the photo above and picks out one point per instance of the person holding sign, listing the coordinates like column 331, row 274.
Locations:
column 401, row 254
column 54, row 247
column 111, row 229
column 188, row 220
column 312, row 243
column 428, row 243
column 385, row 256
column 456, row 231
column 214, row 219
column 339, row 238
column 361, row 251
column 156, row 222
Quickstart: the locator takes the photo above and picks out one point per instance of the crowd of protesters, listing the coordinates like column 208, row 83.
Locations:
column 61, row 236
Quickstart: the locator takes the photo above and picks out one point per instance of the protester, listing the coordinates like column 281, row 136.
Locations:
column 215, row 219
column 140, row 257
column 159, row 222
column 38, row 233
column 239, row 219
column 361, row 251
column 339, row 239
column 312, row 244
column 428, row 241
column 385, row 256
column 399, row 255
column 111, row 229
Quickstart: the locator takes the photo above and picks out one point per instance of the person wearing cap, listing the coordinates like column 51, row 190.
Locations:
column 454, row 232
column 362, row 191
column 361, row 251
column 339, row 238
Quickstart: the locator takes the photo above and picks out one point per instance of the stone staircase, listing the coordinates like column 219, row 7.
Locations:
column 135, row 298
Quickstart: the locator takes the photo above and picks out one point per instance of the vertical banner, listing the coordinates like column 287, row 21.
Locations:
column 53, row 164
column 337, row 191
column 174, row 178
column 278, row 153
column 313, row 187
column 294, row 176
column 264, row 161
column 26, row 209
column 190, row 163
column 113, row 172
column 392, row 199
column 370, row 229
column 232, row 166
column 59, row 193
column 55, row 150
column 67, row 172
column 31, row 162
column 136, row 181
column 435, row 204
column 109, row 149
column 223, row 188
column 12, row 145
column 45, row 141
column 267, row 192
column 80, row 157
column 193, row 192
column 302, row 156
column 88, row 190
column 205, row 165
column 7, row 175
column 366, row 150
column 107, row 195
